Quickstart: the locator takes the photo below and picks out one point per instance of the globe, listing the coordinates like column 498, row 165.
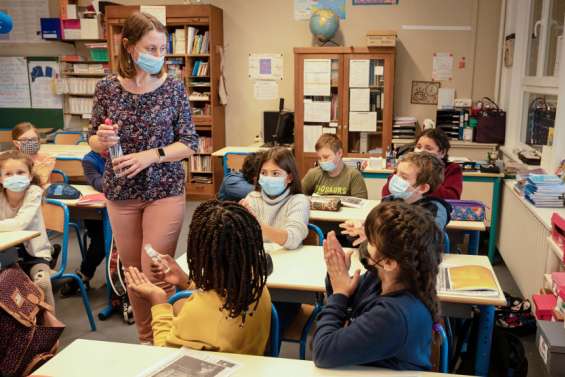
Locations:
column 324, row 24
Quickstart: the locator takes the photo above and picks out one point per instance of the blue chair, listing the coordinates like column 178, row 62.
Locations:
column 444, row 348
column 446, row 244
column 273, row 348
column 58, row 176
column 69, row 137
column 233, row 161
column 56, row 218
column 300, row 328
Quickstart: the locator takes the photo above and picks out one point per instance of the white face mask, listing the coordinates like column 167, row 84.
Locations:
column 16, row 183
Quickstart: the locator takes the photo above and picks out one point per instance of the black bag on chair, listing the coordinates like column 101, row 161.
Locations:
column 491, row 127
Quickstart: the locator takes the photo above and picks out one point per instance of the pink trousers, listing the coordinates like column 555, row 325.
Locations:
column 136, row 223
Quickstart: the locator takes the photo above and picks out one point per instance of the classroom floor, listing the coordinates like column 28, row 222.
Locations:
column 71, row 311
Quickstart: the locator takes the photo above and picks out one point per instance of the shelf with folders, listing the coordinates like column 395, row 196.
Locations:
column 347, row 91
column 194, row 36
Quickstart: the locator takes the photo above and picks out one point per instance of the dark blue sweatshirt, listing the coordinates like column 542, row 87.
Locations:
column 93, row 166
column 391, row 331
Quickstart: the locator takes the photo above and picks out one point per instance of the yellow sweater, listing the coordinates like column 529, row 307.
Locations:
column 200, row 325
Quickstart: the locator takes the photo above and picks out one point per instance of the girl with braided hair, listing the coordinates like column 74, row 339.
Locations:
column 383, row 318
column 230, row 307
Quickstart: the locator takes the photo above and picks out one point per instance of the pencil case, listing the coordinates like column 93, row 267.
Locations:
column 467, row 210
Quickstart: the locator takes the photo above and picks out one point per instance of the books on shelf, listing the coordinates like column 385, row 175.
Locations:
column 174, row 68
column 179, row 42
column 202, row 111
column 200, row 44
column 467, row 280
column 200, row 68
column 205, row 145
column 199, row 96
column 201, row 164
column 201, row 179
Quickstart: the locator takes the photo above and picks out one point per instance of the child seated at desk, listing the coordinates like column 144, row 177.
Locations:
column 228, row 271
column 417, row 175
column 332, row 176
column 280, row 207
column 435, row 141
column 20, row 209
column 93, row 166
column 383, row 318
column 236, row 185
column 26, row 139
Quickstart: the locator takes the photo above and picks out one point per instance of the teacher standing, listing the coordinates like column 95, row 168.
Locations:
column 151, row 115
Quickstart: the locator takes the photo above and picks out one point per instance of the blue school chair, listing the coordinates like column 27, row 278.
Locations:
column 233, row 161
column 444, row 348
column 446, row 245
column 273, row 348
column 56, row 218
column 58, row 176
column 68, row 137
column 302, row 324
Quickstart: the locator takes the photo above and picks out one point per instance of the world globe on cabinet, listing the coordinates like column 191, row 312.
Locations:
column 324, row 23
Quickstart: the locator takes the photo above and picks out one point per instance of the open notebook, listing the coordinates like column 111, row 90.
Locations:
column 467, row 280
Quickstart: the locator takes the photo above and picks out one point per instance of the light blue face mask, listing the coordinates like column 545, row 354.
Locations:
column 16, row 183
column 150, row 63
column 328, row 166
column 399, row 188
column 272, row 186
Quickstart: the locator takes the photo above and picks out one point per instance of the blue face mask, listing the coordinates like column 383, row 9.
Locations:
column 16, row 183
column 399, row 188
column 327, row 166
column 150, row 63
column 272, row 186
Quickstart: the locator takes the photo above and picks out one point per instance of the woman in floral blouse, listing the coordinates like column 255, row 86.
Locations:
column 148, row 113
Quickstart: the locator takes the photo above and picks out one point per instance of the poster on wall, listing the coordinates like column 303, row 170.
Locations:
column 266, row 66
column 424, row 92
column 14, row 85
column 375, row 2
column 26, row 16
column 442, row 66
column 42, row 76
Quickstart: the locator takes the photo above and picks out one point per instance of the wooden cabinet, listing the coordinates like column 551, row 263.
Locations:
column 202, row 84
column 360, row 97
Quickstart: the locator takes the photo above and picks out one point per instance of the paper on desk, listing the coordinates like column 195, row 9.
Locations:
column 311, row 135
column 359, row 99
column 317, row 111
column 359, row 73
column 363, row 121
column 317, row 77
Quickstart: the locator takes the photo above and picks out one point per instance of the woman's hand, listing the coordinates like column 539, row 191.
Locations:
column 141, row 286
column 132, row 164
column 107, row 135
column 167, row 269
column 337, row 265
column 354, row 228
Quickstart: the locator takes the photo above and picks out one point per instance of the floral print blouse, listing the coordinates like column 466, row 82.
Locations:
column 146, row 121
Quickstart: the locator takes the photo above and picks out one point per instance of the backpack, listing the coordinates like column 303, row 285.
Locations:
column 29, row 331
column 115, row 273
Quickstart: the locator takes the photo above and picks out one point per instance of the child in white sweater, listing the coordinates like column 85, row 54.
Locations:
column 20, row 209
column 279, row 205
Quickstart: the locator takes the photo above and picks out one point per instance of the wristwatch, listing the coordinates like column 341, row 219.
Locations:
column 162, row 154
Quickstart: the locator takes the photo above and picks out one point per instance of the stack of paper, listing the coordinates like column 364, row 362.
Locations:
column 466, row 280
column 404, row 128
column 545, row 190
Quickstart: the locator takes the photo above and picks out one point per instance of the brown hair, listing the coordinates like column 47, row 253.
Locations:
column 22, row 128
column 135, row 27
column 430, row 169
column 331, row 141
column 285, row 160
column 439, row 137
column 19, row 156
column 409, row 235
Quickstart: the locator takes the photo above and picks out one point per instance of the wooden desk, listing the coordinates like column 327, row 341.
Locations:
column 299, row 276
column 9, row 239
column 125, row 360
column 60, row 151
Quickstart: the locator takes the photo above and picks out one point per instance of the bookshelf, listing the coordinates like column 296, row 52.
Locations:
column 195, row 35
column 354, row 100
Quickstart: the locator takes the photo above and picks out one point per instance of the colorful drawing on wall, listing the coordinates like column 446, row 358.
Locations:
column 375, row 2
column 424, row 92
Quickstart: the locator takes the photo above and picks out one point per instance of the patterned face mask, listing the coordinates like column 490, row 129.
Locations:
column 30, row 146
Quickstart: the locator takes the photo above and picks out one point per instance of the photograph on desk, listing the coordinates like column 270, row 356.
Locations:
column 467, row 280
column 185, row 363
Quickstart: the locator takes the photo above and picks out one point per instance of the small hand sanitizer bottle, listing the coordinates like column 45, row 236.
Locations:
column 155, row 256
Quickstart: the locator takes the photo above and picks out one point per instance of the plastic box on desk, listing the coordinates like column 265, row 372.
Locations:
column 550, row 339
column 558, row 231
column 544, row 306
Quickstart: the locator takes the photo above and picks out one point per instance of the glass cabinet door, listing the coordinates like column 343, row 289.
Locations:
column 554, row 37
